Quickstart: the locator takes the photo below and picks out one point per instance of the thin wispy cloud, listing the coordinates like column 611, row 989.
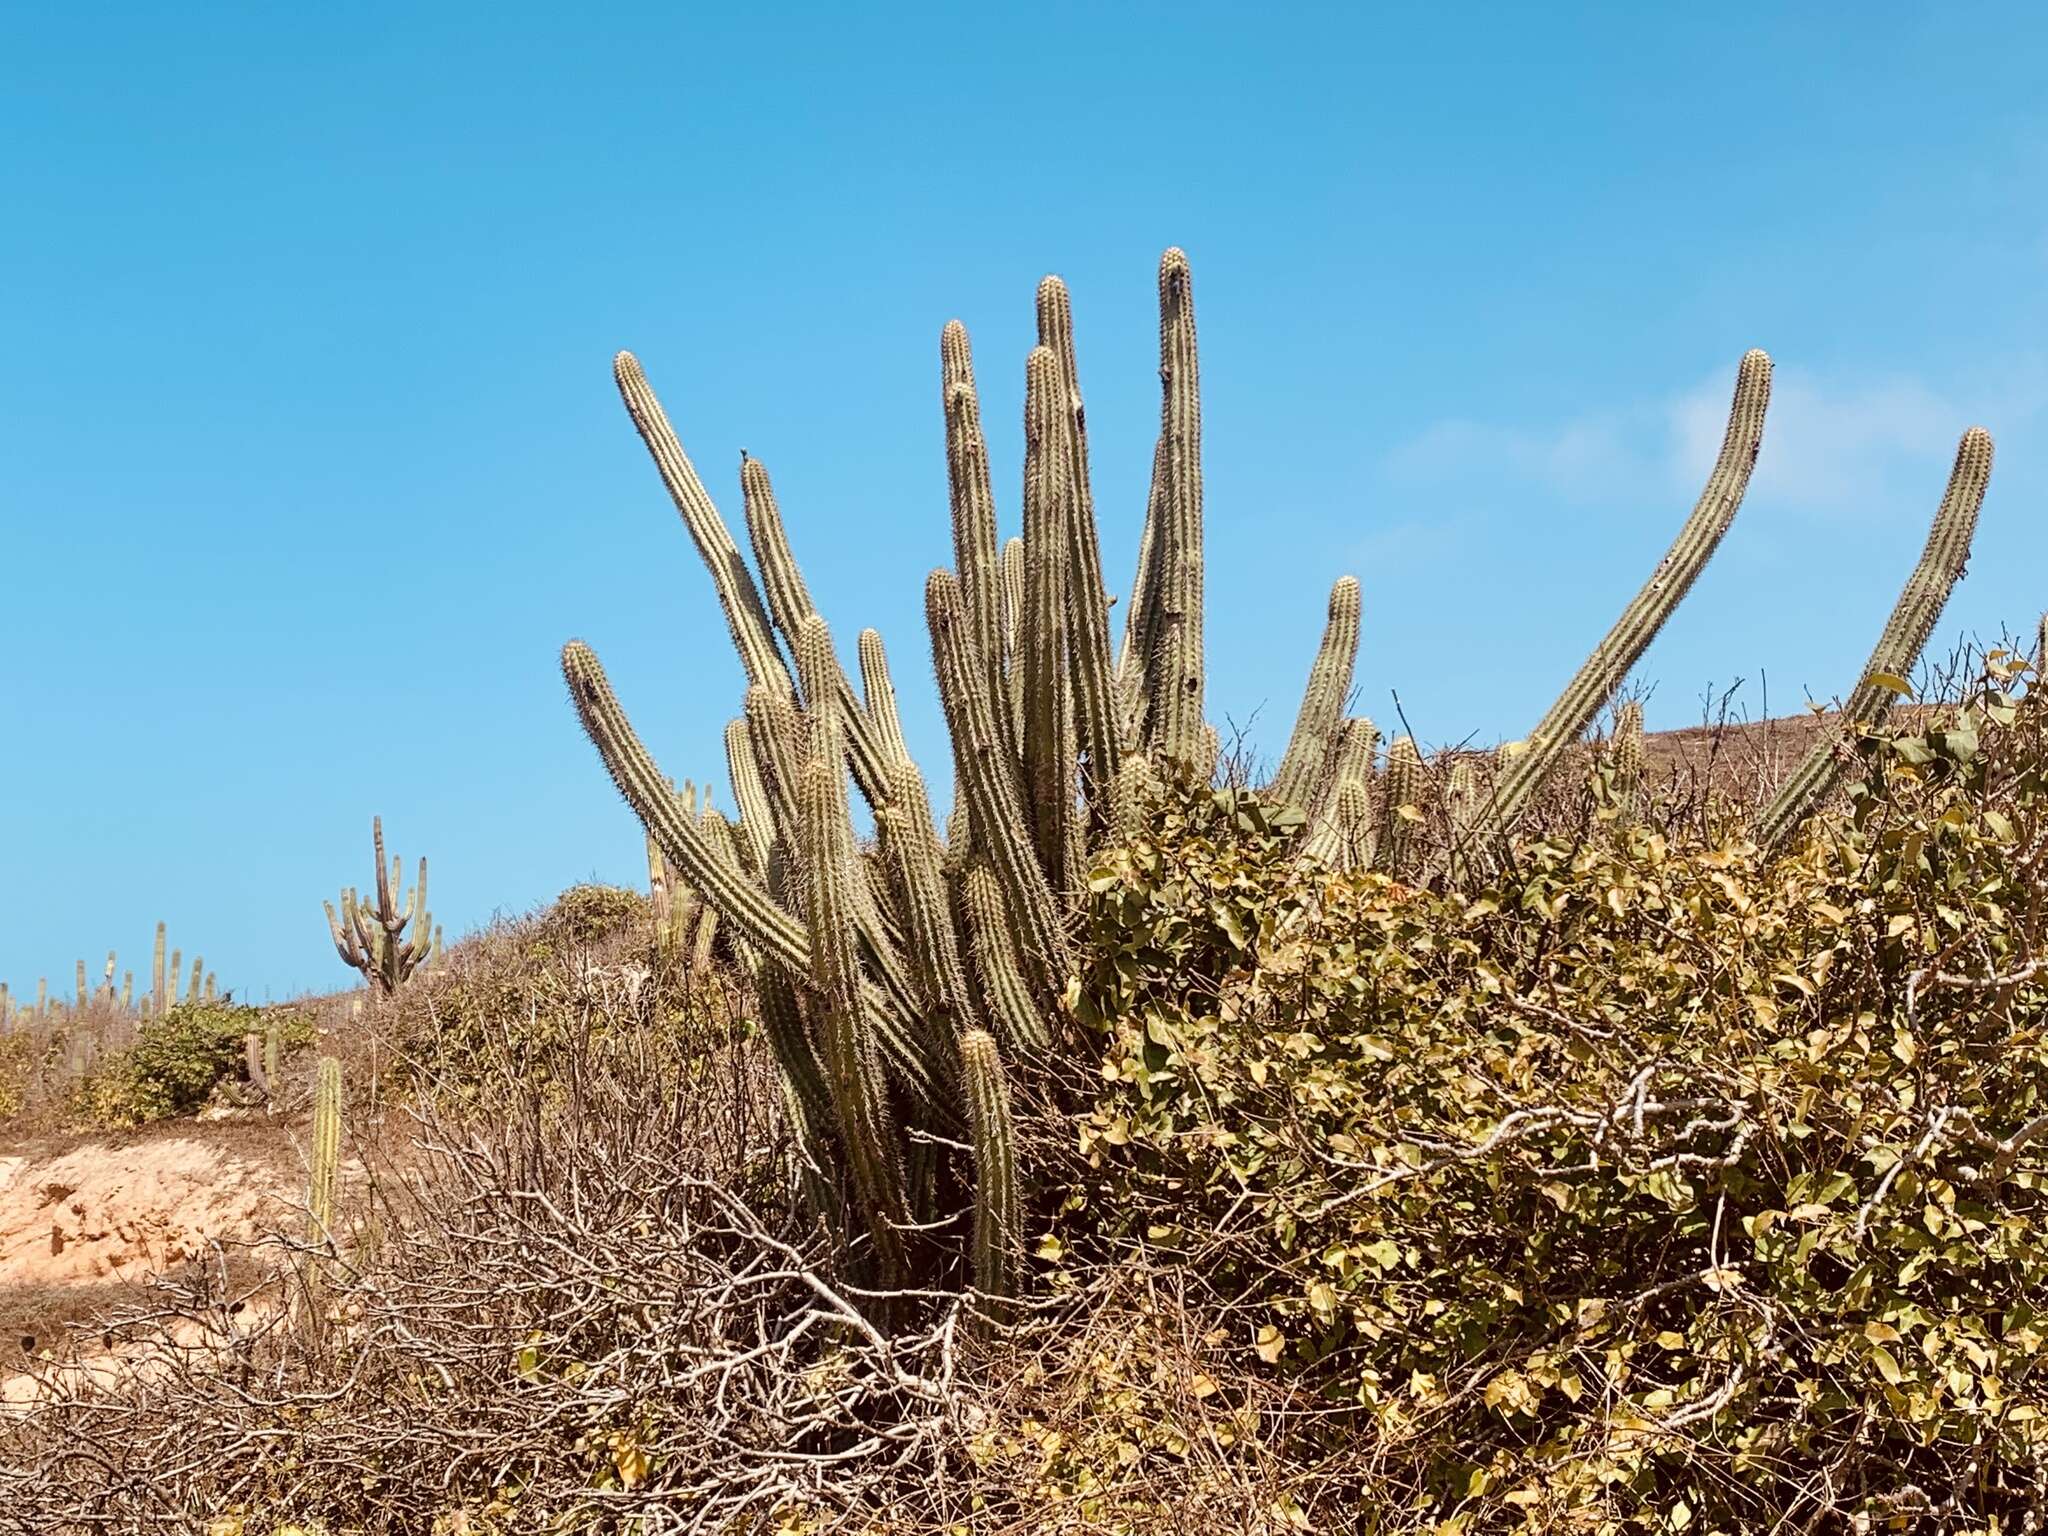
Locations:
column 1833, row 447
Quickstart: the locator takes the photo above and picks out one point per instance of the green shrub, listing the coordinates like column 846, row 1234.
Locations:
column 1649, row 1186
column 175, row 1062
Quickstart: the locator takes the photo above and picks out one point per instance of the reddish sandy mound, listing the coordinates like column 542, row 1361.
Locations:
column 102, row 1212
column 82, row 1228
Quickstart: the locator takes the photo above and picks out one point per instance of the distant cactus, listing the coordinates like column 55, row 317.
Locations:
column 375, row 941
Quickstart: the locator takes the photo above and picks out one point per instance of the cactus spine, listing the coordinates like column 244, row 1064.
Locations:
column 1898, row 648
column 996, row 1208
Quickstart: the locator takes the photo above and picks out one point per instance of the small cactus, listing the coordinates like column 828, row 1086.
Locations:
column 996, row 1209
column 322, row 1199
column 1401, row 809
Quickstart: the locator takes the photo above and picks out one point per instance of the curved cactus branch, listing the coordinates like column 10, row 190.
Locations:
column 989, row 781
column 1632, row 633
column 1316, row 726
column 1898, row 649
column 738, row 596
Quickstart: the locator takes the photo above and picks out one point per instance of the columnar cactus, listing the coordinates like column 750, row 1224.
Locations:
column 1401, row 811
column 1898, row 649
column 1322, row 702
column 375, row 941
column 323, row 1197
column 885, row 980
column 1608, row 667
column 996, row 1208
column 1625, row 759
column 159, row 998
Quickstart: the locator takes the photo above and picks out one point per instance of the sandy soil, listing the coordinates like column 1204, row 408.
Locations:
column 84, row 1225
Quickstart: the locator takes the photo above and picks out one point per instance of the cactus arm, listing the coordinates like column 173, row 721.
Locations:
column 322, row 1198
column 1912, row 620
column 1096, row 715
column 911, row 843
column 790, row 604
column 997, row 1212
column 1341, row 830
column 1134, row 659
column 1015, row 1014
column 1404, row 792
column 1174, row 719
column 1048, row 736
column 741, row 901
column 1011, row 689
column 989, row 781
column 878, row 693
column 1624, row 644
column 639, row 780
column 159, row 1000
column 1317, row 723
column 852, row 1072
column 772, row 728
column 976, row 553
column 1131, row 796
column 738, row 596
column 757, row 819
column 1626, row 755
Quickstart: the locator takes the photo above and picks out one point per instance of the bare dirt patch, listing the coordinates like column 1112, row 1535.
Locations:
column 84, row 1226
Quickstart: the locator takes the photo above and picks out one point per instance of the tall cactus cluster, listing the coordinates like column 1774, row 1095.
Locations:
column 375, row 940
column 906, row 988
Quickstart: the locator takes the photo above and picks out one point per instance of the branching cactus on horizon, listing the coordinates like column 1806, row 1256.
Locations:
column 879, row 977
column 376, row 941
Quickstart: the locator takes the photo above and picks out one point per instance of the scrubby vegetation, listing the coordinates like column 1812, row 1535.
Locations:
column 1543, row 1142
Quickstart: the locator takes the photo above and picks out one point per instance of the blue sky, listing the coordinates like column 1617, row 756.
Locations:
column 310, row 459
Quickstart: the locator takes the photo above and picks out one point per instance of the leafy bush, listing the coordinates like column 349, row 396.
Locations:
column 1647, row 1187
column 174, row 1063
column 586, row 915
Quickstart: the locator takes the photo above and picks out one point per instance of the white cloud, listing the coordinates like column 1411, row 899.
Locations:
column 1832, row 447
